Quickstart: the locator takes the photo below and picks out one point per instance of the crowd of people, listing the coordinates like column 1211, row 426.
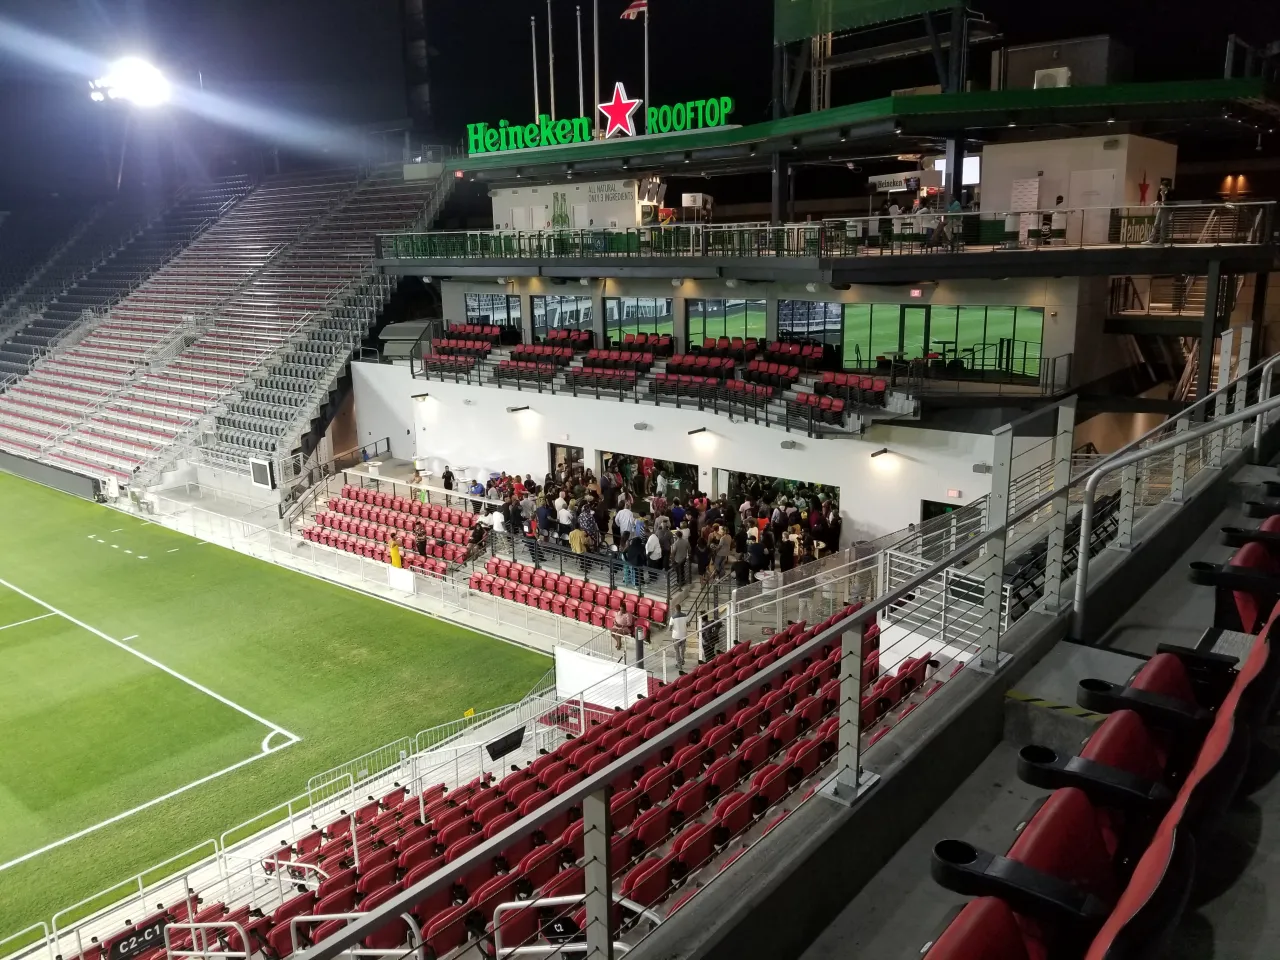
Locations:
column 654, row 528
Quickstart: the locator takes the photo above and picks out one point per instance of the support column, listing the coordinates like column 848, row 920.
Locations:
column 526, row 318
column 778, row 188
column 849, row 781
column 1208, row 329
column 1240, row 397
column 1054, row 572
column 771, row 313
column 1258, row 315
column 598, row 876
column 680, row 323
column 597, row 312
column 1221, row 407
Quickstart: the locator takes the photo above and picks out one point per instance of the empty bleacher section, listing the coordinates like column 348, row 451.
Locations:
column 30, row 237
column 125, row 243
column 282, row 279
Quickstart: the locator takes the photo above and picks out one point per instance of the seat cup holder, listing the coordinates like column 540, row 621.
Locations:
column 955, row 853
column 1038, row 755
column 1096, row 686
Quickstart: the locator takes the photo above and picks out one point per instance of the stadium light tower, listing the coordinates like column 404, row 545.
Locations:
column 137, row 83
column 134, row 81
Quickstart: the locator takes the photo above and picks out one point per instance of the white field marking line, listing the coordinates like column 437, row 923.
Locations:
column 126, row 639
column 174, row 550
column 31, row 620
column 155, row 663
column 117, row 529
column 150, row 803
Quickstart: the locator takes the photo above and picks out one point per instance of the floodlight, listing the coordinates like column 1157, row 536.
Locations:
column 134, row 80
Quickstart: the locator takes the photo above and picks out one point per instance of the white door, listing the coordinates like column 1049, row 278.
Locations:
column 580, row 219
column 540, row 217
column 1095, row 189
column 519, row 218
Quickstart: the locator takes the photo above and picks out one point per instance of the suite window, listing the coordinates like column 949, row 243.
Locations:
column 560, row 313
column 624, row 315
column 809, row 320
column 496, row 309
column 712, row 319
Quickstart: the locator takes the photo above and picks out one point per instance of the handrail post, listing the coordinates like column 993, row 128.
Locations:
column 1128, row 506
column 991, row 569
column 1264, row 394
column 1051, row 602
column 848, row 777
column 1220, row 402
column 598, row 875
column 1178, row 480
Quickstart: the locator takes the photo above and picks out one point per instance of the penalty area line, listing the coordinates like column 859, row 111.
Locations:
column 274, row 727
column 150, row 803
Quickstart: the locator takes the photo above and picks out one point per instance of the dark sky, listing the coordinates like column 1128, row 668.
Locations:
column 339, row 61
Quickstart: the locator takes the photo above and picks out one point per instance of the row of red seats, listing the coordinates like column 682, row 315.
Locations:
column 596, row 378
column 403, row 515
column 823, row 409
column 706, row 387
column 852, row 387
column 619, row 360
column 476, row 331
column 577, row 588
column 737, row 348
column 1108, row 861
column 398, row 844
column 550, row 601
column 805, row 355
column 698, row 365
column 578, row 339
column 454, row 365
column 544, row 353
column 375, row 548
column 461, row 348
column 374, row 530
column 410, row 505
column 372, row 546
column 778, row 375
column 659, row 345
column 525, row 370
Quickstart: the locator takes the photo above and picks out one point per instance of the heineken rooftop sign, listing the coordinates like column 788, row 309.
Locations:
column 619, row 113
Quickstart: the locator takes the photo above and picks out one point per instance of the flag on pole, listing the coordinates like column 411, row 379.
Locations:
column 633, row 12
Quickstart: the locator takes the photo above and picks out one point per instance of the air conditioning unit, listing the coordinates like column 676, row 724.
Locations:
column 1053, row 77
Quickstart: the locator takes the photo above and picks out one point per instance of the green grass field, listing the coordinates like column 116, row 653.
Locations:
column 89, row 730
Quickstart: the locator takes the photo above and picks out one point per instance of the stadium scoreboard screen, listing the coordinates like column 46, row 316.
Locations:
column 802, row 19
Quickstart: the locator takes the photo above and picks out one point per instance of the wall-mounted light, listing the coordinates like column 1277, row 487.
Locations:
column 420, row 396
column 982, row 468
column 788, row 444
column 641, row 426
column 426, row 279
column 731, row 284
column 468, row 403
column 584, row 281
column 516, row 409
column 676, row 281
column 811, row 287
column 698, row 430
column 879, row 453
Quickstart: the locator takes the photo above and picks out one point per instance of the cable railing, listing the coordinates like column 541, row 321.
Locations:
column 904, row 233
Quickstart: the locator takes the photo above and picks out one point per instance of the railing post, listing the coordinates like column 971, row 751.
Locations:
column 1178, row 480
column 1054, row 573
column 848, row 779
column 992, row 568
column 1128, row 506
column 597, row 875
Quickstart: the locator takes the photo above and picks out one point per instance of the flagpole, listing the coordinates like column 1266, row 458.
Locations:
column 595, row 21
column 551, row 61
column 533, row 35
column 646, row 68
column 582, row 93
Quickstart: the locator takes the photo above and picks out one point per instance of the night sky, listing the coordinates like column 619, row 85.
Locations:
column 340, row 61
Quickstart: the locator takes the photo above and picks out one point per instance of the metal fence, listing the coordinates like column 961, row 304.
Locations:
column 907, row 233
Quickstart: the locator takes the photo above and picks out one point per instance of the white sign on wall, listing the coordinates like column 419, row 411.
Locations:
column 606, row 204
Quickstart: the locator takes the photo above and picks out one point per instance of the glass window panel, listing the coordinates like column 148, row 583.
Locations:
column 942, row 331
column 499, row 309
column 1028, row 332
column 857, row 336
column 971, row 338
column 886, row 329
column 913, row 332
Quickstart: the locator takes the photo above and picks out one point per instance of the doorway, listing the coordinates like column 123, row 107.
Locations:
column 913, row 332
column 563, row 455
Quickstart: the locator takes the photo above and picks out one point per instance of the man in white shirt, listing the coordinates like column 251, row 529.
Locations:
column 564, row 516
column 495, row 521
column 653, row 550
column 679, row 634
column 660, row 484
column 560, row 502
column 626, row 521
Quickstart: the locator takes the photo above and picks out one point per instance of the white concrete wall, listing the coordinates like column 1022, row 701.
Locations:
column 604, row 204
column 1054, row 160
column 468, row 426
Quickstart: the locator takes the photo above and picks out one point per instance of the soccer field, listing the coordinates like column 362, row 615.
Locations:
column 155, row 691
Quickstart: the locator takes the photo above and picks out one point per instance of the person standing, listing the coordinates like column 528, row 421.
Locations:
column 625, row 521
column 624, row 624
column 1160, row 231
column 393, row 549
column 420, row 538
column 679, row 635
column 653, row 553
column 723, row 546
column 446, row 478
column 680, row 556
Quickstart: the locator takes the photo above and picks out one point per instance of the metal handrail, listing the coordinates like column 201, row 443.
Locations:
column 1264, row 393
column 1133, row 458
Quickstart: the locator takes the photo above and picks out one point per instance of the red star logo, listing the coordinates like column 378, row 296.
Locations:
column 620, row 111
